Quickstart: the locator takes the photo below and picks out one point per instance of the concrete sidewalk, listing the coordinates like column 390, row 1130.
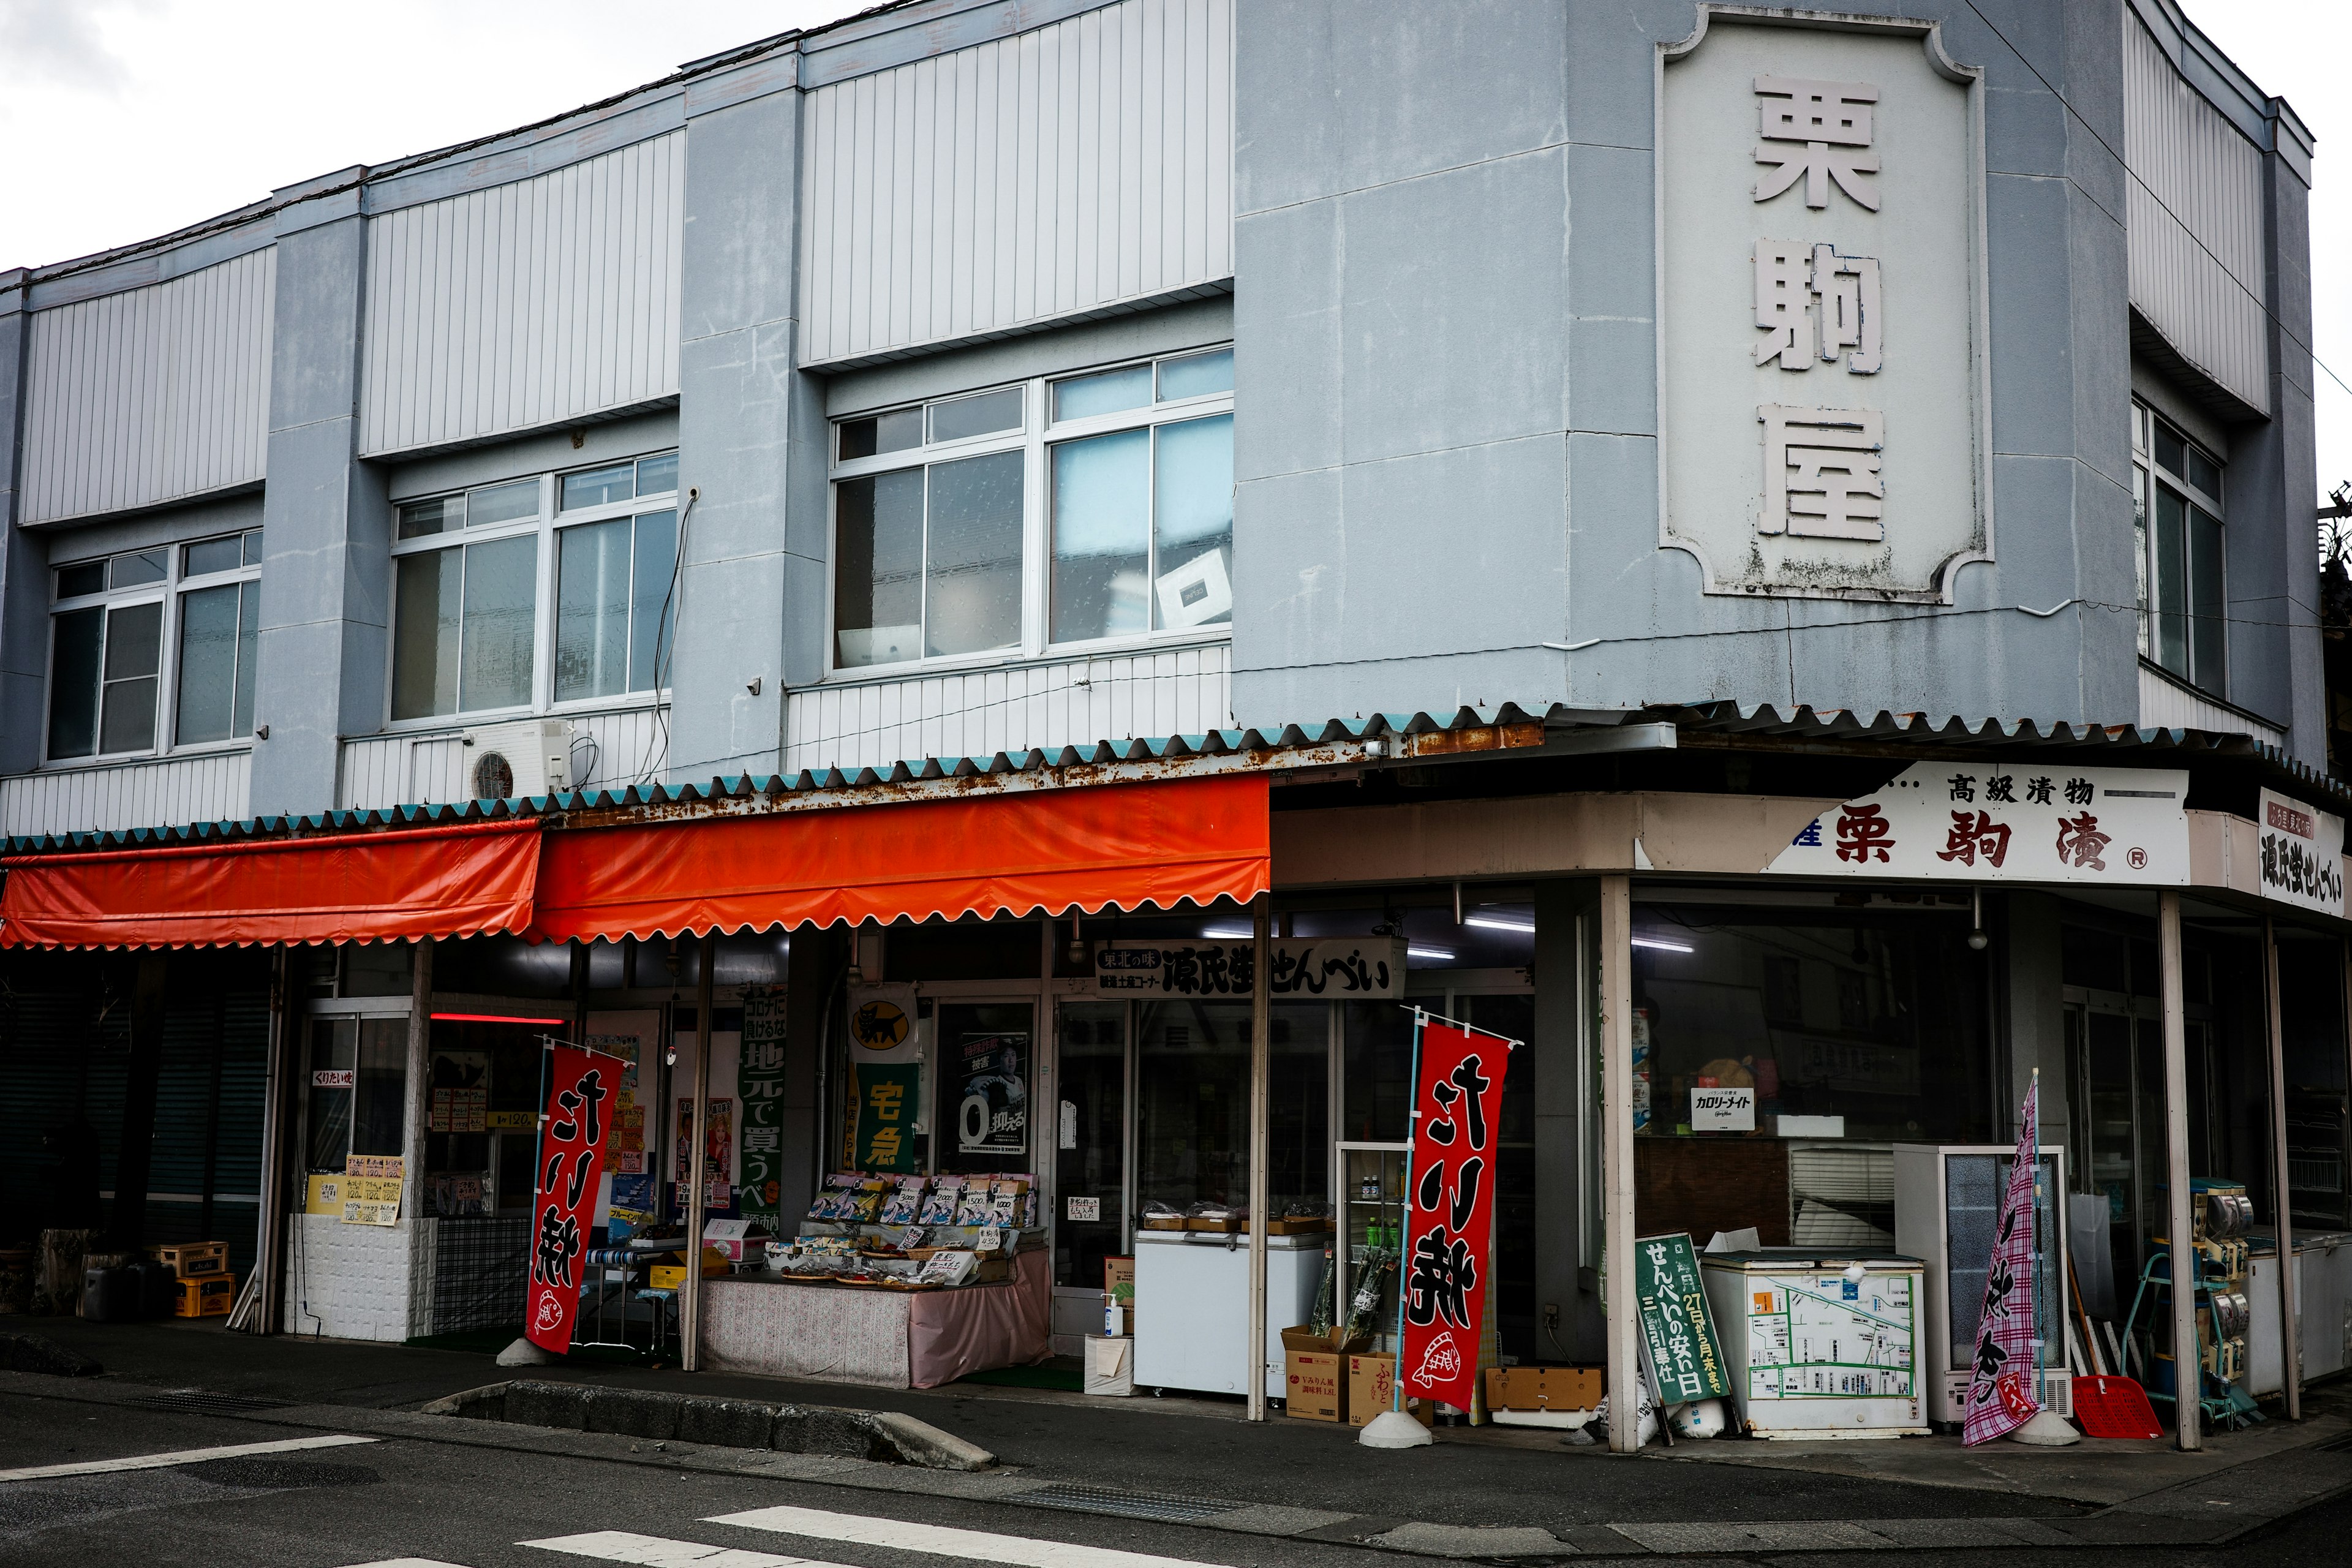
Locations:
column 1488, row 1492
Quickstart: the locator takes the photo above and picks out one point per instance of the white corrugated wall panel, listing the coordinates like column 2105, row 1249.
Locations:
column 215, row 786
column 1046, row 174
column 1075, row 702
column 152, row 394
column 2163, row 705
column 527, row 304
column 2194, row 213
column 610, row 750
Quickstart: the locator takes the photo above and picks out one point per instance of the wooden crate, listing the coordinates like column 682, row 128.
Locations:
column 192, row 1259
column 207, row 1296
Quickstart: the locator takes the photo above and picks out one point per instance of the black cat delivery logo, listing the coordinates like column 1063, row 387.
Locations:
column 878, row 1025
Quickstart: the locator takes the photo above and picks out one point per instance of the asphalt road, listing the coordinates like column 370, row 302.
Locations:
column 385, row 1502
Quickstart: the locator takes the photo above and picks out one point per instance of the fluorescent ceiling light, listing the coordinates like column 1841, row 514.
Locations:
column 1500, row 923
column 1663, row 945
column 1228, row 933
column 1428, row 952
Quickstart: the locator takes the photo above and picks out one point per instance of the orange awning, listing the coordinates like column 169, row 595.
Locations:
column 1086, row 849
column 356, row 887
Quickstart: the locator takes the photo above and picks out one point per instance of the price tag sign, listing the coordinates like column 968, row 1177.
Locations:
column 1723, row 1111
column 1085, row 1208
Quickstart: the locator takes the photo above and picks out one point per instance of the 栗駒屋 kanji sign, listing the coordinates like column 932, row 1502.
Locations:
column 1450, row 1212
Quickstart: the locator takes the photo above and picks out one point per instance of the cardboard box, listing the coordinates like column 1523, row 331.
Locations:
column 1118, row 1280
column 1314, row 1383
column 1372, row 1386
column 1543, row 1387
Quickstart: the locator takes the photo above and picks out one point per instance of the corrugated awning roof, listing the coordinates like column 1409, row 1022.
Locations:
column 1381, row 737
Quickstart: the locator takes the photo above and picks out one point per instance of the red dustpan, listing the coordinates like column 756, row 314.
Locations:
column 2114, row 1408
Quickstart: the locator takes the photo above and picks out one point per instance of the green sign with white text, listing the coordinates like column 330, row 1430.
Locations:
column 1685, row 1355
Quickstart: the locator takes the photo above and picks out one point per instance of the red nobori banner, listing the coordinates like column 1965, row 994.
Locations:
column 1458, row 1111
column 580, row 1090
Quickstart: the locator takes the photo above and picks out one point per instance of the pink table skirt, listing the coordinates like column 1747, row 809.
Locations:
column 881, row 1339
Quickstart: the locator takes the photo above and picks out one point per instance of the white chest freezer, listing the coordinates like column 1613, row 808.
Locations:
column 1191, row 1306
column 1814, row 1353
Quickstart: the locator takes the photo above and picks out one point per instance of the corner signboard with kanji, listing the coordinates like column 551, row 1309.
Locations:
column 884, row 1141
column 2043, row 820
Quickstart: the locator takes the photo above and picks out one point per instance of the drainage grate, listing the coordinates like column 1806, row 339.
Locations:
column 1164, row 1506
column 196, row 1402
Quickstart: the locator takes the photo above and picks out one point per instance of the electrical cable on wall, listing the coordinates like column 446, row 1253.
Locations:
column 665, row 642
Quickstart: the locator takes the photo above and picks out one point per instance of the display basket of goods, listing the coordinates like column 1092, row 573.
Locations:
column 1157, row 1216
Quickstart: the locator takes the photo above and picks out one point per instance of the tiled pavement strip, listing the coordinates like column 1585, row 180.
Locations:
column 2295, row 1468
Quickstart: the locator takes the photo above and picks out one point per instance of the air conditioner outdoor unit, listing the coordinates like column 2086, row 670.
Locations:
column 529, row 756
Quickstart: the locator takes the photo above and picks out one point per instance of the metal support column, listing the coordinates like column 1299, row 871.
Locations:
column 689, row 1318
column 1617, row 1160
column 1261, row 1028
column 2290, row 1298
column 2188, row 1381
column 277, row 1134
column 417, row 1114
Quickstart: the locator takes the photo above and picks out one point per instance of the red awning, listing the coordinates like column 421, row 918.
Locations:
column 1086, row 849
column 358, row 887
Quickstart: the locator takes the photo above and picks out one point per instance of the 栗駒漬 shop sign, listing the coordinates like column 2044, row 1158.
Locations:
column 1976, row 822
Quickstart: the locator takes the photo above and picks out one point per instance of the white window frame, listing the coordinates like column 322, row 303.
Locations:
column 166, row 591
column 544, row 527
column 1037, row 434
column 2147, row 475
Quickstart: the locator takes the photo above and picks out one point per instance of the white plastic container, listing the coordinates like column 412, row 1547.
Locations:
column 1820, row 1345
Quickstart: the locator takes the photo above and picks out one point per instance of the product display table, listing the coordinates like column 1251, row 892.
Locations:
column 879, row 1338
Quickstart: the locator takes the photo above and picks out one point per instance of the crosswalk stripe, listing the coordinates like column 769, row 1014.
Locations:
column 945, row 1540
column 184, row 1456
column 407, row 1562
column 660, row 1551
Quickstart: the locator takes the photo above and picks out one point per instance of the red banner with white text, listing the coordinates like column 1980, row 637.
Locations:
column 580, row 1092
column 1457, row 1110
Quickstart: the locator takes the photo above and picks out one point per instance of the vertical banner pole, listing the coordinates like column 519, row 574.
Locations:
column 1404, row 1230
column 2188, row 1373
column 277, row 1130
column 1261, row 1046
column 1617, row 1160
column 697, row 1189
column 2290, row 1338
column 417, row 1115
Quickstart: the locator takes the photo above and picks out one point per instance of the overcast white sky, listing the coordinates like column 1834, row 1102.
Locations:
column 129, row 118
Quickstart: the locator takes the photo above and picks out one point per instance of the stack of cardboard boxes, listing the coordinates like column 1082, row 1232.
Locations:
column 1329, row 1379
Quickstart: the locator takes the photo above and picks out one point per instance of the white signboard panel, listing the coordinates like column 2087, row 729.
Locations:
column 1723, row 1111
column 2006, row 822
column 1821, row 336
column 2303, row 855
column 1331, row 969
column 1824, row 1336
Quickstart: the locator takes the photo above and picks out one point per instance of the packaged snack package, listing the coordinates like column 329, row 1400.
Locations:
column 939, row 1206
column 947, row 1269
column 975, row 1206
column 904, row 1203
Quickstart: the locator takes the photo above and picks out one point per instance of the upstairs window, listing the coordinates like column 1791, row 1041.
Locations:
column 2177, row 512
column 128, row 631
column 1061, row 513
column 468, row 633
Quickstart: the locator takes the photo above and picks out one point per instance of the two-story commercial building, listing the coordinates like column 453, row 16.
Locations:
column 1713, row 534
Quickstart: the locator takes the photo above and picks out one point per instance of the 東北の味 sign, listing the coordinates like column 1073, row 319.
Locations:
column 2037, row 821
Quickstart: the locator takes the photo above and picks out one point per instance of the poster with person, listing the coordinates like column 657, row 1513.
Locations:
column 992, row 1111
